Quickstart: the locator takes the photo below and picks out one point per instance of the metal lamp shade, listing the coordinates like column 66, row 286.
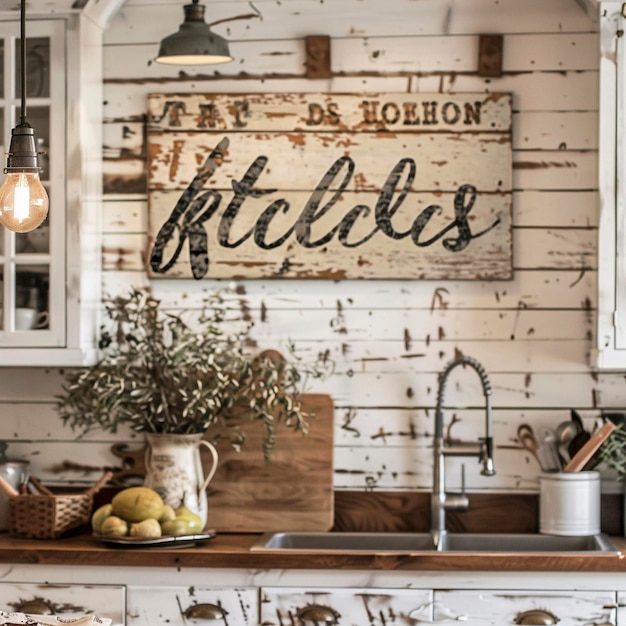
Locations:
column 194, row 43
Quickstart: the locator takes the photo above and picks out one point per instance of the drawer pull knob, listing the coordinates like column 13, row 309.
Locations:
column 536, row 617
column 205, row 611
column 36, row 606
column 317, row 614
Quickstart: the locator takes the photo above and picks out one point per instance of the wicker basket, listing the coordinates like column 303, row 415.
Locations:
column 49, row 517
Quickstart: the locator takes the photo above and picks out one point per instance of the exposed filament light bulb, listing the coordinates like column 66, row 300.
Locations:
column 23, row 199
column 23, row 202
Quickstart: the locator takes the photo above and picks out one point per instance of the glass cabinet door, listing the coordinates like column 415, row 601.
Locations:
column 32, row 265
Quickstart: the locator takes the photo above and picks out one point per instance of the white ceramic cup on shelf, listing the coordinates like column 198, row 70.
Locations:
column 569, row 503
column 29, row 319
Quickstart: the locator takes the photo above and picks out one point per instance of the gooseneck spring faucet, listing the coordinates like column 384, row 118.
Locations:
column 440, row 500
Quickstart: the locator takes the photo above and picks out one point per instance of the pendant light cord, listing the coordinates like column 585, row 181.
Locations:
column 23, row 60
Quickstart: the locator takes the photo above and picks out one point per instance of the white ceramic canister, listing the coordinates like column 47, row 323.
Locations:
column 569, row 503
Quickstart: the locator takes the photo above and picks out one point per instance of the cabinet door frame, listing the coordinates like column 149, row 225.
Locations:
column 75, row 303
column 610, row 352
column 55, row 334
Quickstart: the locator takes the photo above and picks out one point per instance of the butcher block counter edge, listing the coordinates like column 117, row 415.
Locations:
column 233, row 551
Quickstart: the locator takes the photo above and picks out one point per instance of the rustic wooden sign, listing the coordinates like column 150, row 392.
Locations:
column 330, row 186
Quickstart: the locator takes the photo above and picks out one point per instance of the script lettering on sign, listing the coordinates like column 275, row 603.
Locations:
column 330, row 186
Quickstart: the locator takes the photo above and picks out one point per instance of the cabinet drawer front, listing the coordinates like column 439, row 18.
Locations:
column 497, row 608
column 185, row 606
column 344, row 606
column 67, row 601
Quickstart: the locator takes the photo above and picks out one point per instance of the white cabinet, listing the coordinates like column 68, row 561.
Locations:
column 65, row 601
column 49, row 278
column 343, row 606
column 184, row 606
column 494, row 608
column 199, row 596
column 475, row 607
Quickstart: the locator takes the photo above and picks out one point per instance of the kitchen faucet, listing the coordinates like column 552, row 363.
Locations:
column 441, row 501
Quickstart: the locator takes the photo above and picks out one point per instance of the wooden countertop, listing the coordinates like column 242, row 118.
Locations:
column 233, row 551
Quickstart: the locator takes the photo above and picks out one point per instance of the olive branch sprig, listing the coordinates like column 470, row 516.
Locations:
column 162, row 373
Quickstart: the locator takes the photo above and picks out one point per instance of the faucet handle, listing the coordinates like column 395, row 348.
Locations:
column 486, row 457
column 488, row 468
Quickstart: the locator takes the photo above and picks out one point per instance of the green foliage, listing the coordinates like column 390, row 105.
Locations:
column 160, row 374
column 613, row 451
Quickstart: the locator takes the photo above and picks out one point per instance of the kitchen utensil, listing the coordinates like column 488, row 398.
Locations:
column 549, row 451
column 41, row 488
column 99, row 484
column 527, row 438
column 581, row 458
column 8, row 489
column 12, row 475
column 292, row 492
column 564, row 433
column 582, row 434
column 579, row 440
column 577, row 419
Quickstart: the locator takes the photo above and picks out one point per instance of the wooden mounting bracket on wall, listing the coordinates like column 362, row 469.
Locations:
column 490, row 55
column 318, row 56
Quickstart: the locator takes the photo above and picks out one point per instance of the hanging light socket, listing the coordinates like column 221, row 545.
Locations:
column 22, row 155
column 194, row 43
column 23, row 199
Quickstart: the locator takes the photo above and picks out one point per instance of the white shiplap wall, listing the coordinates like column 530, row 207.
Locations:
column 389, row 338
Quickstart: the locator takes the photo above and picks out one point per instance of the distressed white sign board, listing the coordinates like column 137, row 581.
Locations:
column 330, row 186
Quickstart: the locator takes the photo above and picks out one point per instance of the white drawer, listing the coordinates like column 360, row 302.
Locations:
column 177, row 606
column 65, row 600
column 344, row 606
column 498, row 608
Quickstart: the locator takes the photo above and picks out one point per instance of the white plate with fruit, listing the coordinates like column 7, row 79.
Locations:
column 137, row 516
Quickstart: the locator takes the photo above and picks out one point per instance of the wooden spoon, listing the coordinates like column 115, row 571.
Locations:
column 8, row 488
column 582, row 457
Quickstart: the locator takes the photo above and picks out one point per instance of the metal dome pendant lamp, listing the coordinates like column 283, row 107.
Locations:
column 194, row 43
column 23, row 199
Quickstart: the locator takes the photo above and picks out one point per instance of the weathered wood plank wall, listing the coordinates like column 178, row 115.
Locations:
column 390, row 339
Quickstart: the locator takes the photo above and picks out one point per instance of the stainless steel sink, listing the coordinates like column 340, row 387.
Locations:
column 412, row 543
column 345, row 542
column 458, row 542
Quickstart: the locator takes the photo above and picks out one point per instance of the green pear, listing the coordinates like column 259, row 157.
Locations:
column 194, row 521
column 99, row 516
column 175, row 527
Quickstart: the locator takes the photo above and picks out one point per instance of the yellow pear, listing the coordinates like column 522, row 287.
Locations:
column 194, row 521
column 147, row 528
column 114, row 526
column 168, row 514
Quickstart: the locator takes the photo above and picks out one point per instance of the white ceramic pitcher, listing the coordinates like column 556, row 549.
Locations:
column 174, row 470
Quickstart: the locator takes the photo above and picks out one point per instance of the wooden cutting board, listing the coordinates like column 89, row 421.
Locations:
column 293, row 492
